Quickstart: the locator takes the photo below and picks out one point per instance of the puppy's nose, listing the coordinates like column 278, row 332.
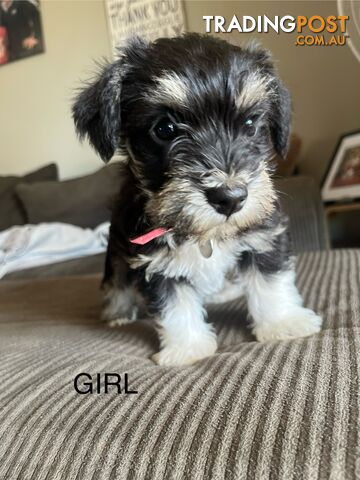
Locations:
column 226, row 201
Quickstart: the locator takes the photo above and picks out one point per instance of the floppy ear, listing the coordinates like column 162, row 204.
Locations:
column 280, row 119
column 96, row 111
column 280, row 116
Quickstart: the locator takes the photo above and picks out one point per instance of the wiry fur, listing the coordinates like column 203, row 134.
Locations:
column 209, row 89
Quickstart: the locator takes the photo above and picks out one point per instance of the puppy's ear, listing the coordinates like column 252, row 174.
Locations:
column 96, row 111
column 280, row 116
column 280, row 119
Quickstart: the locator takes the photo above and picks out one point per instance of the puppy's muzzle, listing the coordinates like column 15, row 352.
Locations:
column 227, row 201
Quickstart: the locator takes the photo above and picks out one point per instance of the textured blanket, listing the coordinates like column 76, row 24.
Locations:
column 285, row 410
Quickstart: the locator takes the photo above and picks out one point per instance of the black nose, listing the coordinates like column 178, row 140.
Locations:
column 227, row 201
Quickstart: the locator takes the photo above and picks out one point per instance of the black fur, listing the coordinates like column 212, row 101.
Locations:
column 96, row 111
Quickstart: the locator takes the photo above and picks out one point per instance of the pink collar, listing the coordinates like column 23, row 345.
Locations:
column 147, row 237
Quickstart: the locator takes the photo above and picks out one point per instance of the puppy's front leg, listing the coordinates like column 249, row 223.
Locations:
column 184, row 334
column 276, row 307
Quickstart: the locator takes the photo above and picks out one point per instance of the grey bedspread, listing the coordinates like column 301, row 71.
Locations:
column 285, row 410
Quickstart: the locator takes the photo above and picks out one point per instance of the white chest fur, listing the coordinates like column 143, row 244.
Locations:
column 185, row 261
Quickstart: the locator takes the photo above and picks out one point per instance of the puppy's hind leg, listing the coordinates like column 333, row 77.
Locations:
column 121, row 302
column 230, row 291
column 120, row 306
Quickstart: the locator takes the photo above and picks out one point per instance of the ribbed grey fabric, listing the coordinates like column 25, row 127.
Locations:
column 301, row 201
column 285, row 410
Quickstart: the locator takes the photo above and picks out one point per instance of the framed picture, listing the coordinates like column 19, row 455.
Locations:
column 20, row 30
column 342, row 179
column 150, row 19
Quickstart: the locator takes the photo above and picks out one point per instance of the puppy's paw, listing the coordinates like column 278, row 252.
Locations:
column 175, row 355
column 117, row 319
column 118, row 322
column 300, row 322
column 120, row 307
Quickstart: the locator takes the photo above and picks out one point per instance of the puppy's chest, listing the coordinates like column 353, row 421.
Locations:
column 206, row 274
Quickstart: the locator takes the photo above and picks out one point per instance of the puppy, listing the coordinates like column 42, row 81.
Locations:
column 197, row 219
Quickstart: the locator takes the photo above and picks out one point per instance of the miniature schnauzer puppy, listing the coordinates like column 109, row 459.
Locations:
column 197, row 219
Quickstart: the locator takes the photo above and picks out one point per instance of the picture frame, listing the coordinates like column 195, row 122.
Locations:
column 341, row 181
column 150, row 19
column 21, row 32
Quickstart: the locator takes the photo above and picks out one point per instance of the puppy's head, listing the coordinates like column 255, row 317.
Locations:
column 200, row 119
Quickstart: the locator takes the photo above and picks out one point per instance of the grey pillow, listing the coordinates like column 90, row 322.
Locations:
column 11, row 210
column 301, row 201
column 84, row 201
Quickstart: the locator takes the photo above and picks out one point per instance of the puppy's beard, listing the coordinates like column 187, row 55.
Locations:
column 260, row 202
column 181, row 206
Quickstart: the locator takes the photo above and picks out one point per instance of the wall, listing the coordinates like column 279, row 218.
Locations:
column 35, row 120
column 324, row 81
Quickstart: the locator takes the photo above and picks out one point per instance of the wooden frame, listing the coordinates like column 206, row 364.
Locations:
column 341, row 181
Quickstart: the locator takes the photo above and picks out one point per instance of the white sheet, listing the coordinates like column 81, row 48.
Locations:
column 35, row 245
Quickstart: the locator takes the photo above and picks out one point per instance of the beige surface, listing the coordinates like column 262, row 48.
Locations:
column 35, row 121
column 279, row 411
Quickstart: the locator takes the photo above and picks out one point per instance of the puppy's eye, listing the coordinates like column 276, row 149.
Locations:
column 250, row 127
column 165, row 130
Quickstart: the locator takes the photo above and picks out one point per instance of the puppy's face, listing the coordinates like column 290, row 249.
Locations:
column 200, row 120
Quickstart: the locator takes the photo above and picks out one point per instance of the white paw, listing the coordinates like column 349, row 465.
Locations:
column 117, row 319
column 300, row 322
column 173, row 355
column 120, row 306
column 118, row 322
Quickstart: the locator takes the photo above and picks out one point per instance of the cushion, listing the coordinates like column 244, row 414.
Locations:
column 301, row 201
column 11, row 210
column 83, row 201
column 279, row 410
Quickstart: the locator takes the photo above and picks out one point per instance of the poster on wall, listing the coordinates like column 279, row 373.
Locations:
column 149, row 19
column 20, row 30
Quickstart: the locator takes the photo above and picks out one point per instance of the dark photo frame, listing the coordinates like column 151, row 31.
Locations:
column 341, row 181
column 21, row 34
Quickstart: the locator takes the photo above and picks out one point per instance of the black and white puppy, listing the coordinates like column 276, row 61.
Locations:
column 197, row 219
